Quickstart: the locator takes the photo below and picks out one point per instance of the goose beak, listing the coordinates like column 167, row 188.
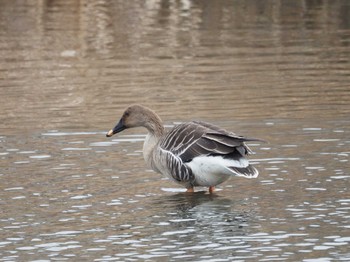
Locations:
column 118, row 128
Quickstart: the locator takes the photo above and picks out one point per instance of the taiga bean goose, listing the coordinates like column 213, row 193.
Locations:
column 193, row 153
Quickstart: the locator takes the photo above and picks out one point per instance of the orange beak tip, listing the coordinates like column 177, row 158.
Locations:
column 110, row 133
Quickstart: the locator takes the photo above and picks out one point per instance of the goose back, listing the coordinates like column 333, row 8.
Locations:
column 192, row 139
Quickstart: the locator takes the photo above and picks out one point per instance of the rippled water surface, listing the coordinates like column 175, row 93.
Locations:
column 277, row 70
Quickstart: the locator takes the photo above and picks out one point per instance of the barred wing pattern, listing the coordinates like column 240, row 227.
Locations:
column 189, row 140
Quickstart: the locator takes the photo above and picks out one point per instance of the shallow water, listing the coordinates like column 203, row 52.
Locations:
column 277, row 71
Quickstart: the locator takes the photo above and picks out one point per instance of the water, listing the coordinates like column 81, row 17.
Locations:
column 273, row 70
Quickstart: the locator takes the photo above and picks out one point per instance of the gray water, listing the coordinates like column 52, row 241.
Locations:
column 277, row 70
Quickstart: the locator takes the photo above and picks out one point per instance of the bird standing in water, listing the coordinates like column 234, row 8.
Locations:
column 193, row 153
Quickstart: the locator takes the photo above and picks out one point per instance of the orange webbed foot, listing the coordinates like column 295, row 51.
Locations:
column 190, row 190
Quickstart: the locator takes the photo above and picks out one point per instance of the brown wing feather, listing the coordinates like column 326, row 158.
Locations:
column 192, row 139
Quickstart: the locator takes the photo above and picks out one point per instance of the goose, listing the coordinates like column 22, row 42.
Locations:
column 193, row 153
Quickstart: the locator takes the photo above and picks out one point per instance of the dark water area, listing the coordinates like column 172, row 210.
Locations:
column 277, row 70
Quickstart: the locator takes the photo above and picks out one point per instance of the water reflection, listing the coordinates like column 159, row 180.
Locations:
column 106, row 53
column 187, row 223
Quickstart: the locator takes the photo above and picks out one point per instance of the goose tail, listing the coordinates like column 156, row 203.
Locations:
column 247, row 172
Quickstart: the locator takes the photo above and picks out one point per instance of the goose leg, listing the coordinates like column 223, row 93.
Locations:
column 211, row 189
column 190, row 190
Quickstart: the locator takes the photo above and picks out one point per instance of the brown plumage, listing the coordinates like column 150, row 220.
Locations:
column 193, row 153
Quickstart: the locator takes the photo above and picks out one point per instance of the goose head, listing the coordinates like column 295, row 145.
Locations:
column 137, row 116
